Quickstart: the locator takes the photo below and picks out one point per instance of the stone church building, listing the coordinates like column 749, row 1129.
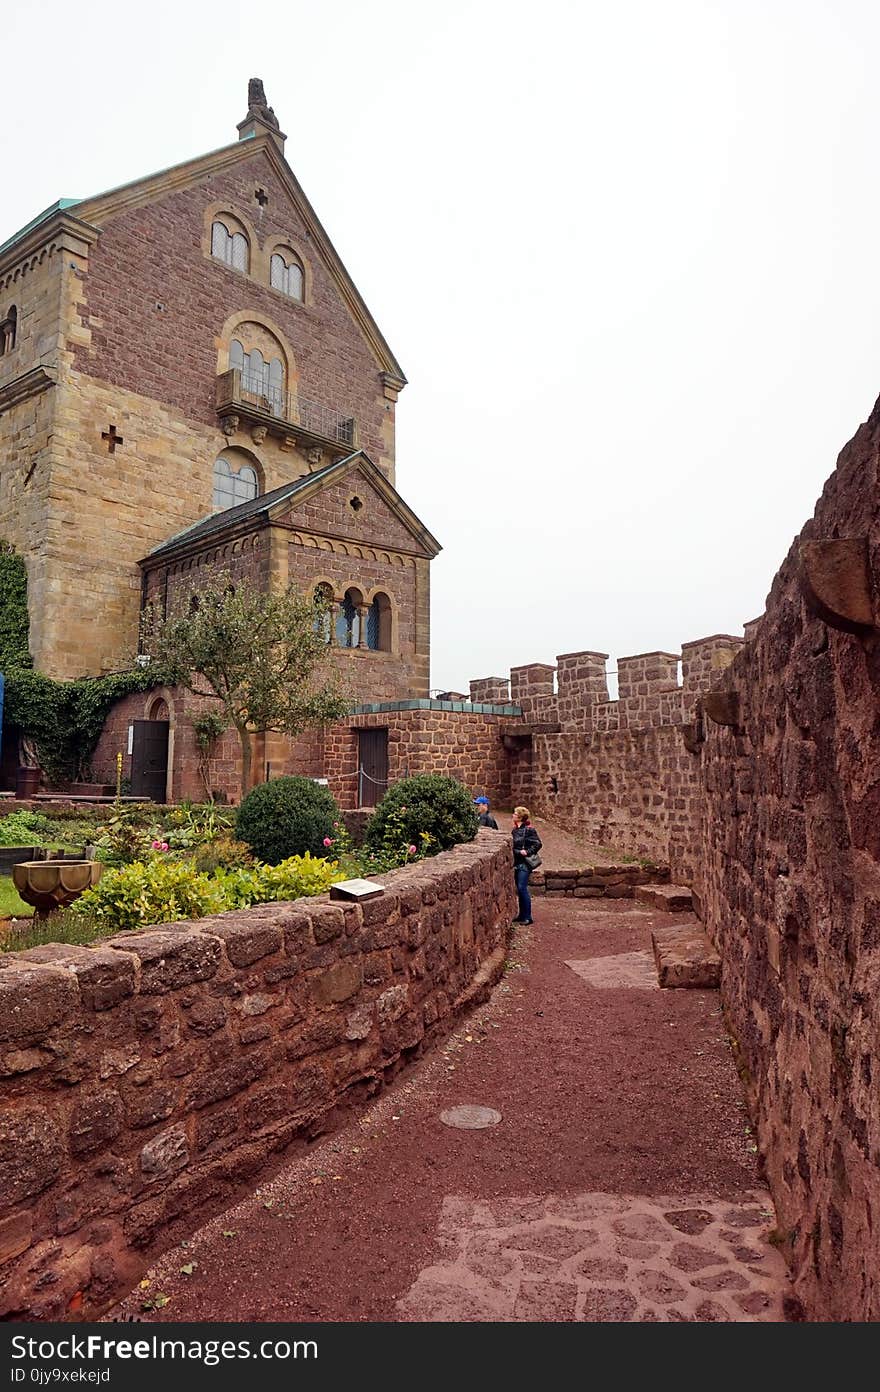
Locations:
column 190, row 381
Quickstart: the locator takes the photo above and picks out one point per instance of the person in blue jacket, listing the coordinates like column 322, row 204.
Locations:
column 484, row 816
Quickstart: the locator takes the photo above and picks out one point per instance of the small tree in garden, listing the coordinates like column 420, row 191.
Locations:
column 263, row 657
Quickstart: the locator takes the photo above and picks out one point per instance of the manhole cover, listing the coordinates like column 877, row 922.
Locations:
column 470, row 1118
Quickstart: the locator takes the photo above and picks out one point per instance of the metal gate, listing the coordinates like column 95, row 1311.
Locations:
column 149, row 759
column 372, row 766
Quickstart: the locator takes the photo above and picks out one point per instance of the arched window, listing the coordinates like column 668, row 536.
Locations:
column 230, row 247
column 286, row 275
column 258, row 377
column 323, row 622
column 8, row 329
column 379, row 624
column 348, row 621
column 233, row 486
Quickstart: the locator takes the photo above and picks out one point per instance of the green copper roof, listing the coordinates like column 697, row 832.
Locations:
column 41, row 217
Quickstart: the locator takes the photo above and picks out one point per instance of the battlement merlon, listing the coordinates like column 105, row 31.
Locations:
column 645, row 674
column 705, row 658
column 494, row 691
column 533, row 679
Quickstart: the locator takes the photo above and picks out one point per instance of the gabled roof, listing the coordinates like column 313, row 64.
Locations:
column 268, row 506
column 101, row 206
column 104, row 205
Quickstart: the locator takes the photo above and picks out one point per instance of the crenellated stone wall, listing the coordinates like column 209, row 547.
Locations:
column 149, row 1078
column 623, row 773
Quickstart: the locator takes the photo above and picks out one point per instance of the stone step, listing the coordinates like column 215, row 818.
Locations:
column 668, row 898
column 685, row 957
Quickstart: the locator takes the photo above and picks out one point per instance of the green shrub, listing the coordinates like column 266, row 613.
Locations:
column 430, row 811
column 295, row 878
column 195, row 824
column 222, row 854
column 24, row 829
column 154, row 891
column 123, row 839
column 286, row 817
column 300, row 876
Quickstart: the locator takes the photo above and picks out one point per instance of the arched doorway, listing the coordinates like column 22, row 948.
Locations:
column 149, row 751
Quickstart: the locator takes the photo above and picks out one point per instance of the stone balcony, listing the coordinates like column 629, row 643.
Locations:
column 293, row 418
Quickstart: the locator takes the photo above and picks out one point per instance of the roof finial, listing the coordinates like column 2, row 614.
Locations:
column 257, row 104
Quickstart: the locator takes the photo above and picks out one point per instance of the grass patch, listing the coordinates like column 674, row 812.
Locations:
column 10, row 904
column 60, row 927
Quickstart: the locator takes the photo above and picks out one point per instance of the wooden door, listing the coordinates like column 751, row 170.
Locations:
column 149, row 759
column 372, row 766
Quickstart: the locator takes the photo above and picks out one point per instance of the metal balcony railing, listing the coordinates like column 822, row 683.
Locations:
column 244, row 392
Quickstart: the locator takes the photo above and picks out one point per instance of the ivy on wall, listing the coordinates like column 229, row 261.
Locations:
column 64, row 719
column 13, row 610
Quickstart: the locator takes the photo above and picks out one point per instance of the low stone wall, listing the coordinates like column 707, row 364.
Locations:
column 596, row 882
column 148, row 1079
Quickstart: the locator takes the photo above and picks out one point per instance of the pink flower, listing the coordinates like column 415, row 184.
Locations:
column 411, row 850
column 327, row 841
column 160, row 845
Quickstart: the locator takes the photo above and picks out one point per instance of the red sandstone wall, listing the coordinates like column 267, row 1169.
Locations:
column 464, row 746
column 148, row 1078
column 790, row 889
column 224, row 765
column 634, row 790
column 619, row 772
column 371, row 675
column 155, row 318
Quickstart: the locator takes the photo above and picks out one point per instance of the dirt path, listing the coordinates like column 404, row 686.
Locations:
column 620, row 1183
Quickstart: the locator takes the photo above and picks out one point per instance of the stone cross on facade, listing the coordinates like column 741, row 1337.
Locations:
column 112, row 439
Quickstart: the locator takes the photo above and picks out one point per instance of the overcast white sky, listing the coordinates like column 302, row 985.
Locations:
column 625, row 250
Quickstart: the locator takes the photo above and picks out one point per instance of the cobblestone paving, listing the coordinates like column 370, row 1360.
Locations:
column 602, row 1257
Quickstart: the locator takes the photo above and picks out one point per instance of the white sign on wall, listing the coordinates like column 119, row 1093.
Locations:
column 130, row 738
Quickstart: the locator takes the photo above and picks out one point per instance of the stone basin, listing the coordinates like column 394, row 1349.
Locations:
column 53, row 884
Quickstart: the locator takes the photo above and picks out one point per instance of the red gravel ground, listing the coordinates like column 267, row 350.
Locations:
column 616, row 1091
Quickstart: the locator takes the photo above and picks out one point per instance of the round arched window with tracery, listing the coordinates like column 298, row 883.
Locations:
column 235, row 481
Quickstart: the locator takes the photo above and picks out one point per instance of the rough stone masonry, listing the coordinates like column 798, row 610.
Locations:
column 147, row 1079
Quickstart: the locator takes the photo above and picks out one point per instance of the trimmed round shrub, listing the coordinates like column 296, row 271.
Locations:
column 430, row 804
column 286, row 817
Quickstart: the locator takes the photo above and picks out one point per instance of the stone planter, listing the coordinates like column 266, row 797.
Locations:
column 53, row 884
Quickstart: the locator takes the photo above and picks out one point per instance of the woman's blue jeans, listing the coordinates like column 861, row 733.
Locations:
column 521, row 875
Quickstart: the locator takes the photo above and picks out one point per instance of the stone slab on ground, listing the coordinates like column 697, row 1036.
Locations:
column 668, row 898
column 633, row 970
column 685, row 957
column 603, row 1257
